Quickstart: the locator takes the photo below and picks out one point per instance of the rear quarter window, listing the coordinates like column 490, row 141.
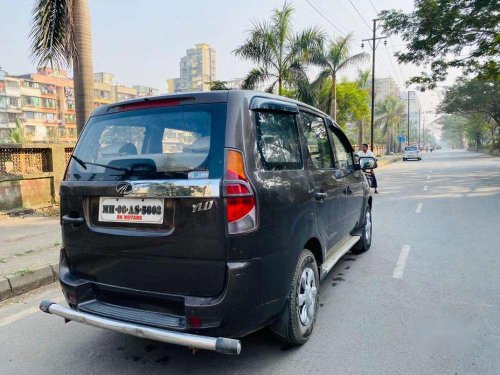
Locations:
column 278, row 141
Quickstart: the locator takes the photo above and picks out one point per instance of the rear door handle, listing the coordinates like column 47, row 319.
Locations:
column 320, row 196
column 72, row 220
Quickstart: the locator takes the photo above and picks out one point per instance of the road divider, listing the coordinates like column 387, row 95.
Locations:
column 401, row 263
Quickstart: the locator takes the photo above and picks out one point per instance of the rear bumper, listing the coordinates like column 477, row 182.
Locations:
column 220, row 345
column 238, row 311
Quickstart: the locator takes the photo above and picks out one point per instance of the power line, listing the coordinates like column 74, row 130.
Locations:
column 373, row 6
column 326, row 19
column 392, row 66
column 357, row 11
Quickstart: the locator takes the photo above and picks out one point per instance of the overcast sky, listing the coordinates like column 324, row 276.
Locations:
column 141, row 42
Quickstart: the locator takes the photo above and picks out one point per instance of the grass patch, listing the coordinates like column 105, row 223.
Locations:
column 3, row 260
column 22, row 271
column 57, row 243
column 27, row 252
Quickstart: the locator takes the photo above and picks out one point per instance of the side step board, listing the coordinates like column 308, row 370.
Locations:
column 336, row 253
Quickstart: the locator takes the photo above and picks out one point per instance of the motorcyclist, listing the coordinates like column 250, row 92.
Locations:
column 365, row 152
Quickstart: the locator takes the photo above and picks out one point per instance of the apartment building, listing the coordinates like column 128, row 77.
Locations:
column 10, row 104
column 44, row 103
column 197, row 70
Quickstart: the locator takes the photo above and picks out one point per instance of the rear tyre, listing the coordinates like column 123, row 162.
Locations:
column 365, row 241
column 296, row 322
column 404, row 159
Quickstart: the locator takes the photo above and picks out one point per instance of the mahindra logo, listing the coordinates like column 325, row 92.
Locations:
column 124, row 188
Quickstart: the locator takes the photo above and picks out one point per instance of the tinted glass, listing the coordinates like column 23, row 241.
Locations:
column 278, row 140
column 152, row 144
column 317, row 140
column 343, row 159
column 410, row 148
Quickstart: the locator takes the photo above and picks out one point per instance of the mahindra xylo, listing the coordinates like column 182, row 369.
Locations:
column 195, row 216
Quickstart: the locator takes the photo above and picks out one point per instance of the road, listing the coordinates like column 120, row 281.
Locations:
column 424, row 300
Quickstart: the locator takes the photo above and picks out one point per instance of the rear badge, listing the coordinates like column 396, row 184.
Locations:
column 203, row 206
column 197, row 175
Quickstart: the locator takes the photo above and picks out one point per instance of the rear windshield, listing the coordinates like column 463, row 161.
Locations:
column 411, row 148
column 160, row 143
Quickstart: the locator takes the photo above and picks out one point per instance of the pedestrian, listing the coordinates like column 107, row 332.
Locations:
column 366, row 152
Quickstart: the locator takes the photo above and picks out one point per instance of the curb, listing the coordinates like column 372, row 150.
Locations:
column 14, row 285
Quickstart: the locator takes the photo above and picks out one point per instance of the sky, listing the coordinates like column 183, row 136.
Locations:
column 141, row 42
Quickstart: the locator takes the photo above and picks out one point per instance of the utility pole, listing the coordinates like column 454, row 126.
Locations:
column 419, row 113
column 372, row 42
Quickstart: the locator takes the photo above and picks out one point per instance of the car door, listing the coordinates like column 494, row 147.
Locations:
column 352, row 179
column 326, row 187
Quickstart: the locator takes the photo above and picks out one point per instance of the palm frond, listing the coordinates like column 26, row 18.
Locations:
column 354, row 59
column 52, row 33
column 254, row 77
column 297, row 78
column 306, row 44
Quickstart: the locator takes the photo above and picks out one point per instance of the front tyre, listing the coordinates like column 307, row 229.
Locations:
column 296, row 322
column 365, row 241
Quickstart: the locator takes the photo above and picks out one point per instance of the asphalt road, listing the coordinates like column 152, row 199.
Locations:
column 424, row 300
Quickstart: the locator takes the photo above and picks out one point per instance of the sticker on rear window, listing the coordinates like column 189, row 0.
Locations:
column 197, row 174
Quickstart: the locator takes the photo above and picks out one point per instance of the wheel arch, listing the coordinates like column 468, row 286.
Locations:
column 314, row 246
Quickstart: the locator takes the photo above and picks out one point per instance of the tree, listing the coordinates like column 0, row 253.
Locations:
column 389, row 114
column 332, row 58
column 17, row 135
column 218, row 85
column 352, row 103
column 479, row 102
column 281, row 54
column 453, row 130
column 448, row 34
column 60, row 36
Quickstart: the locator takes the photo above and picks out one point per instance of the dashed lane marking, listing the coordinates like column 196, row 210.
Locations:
column 425, row 188
column 429, row 177
column 401, row 263
column 419, row 208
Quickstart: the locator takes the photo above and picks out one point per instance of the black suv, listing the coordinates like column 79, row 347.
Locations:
column 201, row 215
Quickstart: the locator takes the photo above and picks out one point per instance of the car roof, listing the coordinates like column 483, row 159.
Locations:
column 205, row 97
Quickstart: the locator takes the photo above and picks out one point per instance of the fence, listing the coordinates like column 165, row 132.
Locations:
column 30, row 174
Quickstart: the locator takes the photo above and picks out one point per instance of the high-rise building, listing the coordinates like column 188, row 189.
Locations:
column 10, row 104
column 385, row 87
column 197, row 70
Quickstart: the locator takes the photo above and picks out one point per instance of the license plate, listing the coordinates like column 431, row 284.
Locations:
column 131, row 210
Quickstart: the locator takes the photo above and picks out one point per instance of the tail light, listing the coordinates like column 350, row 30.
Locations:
column 240, row 200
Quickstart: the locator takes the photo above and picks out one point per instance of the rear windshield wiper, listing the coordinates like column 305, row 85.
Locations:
column 84, row 165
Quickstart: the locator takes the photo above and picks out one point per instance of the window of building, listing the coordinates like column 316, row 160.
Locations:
column 70, row 104
column 30, row 130
column 39, row 116
column 48, row 89
column 48, row 103
column 31, row 84
column 343, row 159
column 278, row 141
column 12, row 84
column 12, row 117
column 14, row 102
column 316, row 137
column 50, row 117
column 31, row 101
column 29, row 115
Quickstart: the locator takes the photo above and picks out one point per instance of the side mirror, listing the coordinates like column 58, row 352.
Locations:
column 367, row 162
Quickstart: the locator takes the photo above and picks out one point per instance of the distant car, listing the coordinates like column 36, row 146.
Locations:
column 411, row 152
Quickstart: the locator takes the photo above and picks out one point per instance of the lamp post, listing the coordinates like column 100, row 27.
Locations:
column 408, row 143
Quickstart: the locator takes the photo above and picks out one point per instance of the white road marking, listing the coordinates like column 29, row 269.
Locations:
column 429, row 177
column 400, row 265
column 425, row 188
column 419, row 208
column 25, row 313
column 430, row 170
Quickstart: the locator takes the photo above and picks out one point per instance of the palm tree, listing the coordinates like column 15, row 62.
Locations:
column 362, row 82
column 390, row 113
column 281, row 54
column 60, row 36
column 332, row 58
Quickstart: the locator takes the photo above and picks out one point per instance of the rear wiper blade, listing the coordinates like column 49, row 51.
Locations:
column 84, row 165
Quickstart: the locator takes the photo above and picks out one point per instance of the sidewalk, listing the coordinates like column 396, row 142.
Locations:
column 29, row 253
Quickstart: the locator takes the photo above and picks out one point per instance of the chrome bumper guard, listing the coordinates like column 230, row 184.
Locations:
column 220, row 344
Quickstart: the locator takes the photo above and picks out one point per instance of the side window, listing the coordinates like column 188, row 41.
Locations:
column 278, row 140
column 342, row 157
column 317, row 140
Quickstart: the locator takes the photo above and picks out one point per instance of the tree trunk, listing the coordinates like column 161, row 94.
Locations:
column 360, row 133
column 280, row 84
column 83, row 75
column 333, row 104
